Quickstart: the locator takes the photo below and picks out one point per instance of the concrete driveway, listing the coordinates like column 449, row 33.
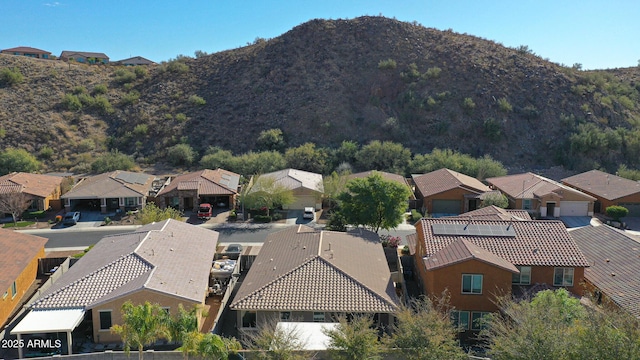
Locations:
column 294, row 217
column 576, row 221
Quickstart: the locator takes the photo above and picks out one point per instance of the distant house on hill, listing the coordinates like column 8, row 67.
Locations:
column 84, row 57
column 28, row 52
column 134, row 61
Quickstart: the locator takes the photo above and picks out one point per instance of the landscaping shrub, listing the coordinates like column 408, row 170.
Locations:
column 415, row 215
column 617, row 212
column 262, row 218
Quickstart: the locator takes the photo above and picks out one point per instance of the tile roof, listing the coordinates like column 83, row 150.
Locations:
column 615, row 264
column 301, row 269
column 604, row 185
column 114, row 184
column 18, row 250
column 443, row 180
column 295, row 179
column 530, row 186
column 493, row 212
column 536, row 243
column 169, row 257
column 463, row 250
column 207, row 182
column 33, row 184
column 385, row 175
column 26, row 49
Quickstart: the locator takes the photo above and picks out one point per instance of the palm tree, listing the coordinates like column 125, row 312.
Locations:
column 142, row 325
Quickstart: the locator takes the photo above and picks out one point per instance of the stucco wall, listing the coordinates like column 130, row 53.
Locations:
column 454, row 194
column 23, row 282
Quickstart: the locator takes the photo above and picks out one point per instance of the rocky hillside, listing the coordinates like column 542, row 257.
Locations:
column 325, row 82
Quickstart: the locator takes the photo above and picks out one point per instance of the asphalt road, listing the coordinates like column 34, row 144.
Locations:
column 245, row 234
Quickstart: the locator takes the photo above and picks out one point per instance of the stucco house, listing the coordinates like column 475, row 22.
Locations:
column 116, row 190
column 478, row 260
column 167, row 263
column 133, row 61
column 307, row 187
column 18, row 268
column 28, row 52
column 84, row 57
column 446, row 192
column 43, row 189
column 543, row 196
column 608, row 190
column 185, row 192
column 303, row 274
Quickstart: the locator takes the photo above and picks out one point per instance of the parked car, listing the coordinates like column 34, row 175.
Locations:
column 309, row 213
column 71, row 218
column 205, row 211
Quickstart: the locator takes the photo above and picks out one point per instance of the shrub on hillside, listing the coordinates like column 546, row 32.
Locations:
column 181, row 154
column 124, row 76
column 387, row 64
column 71, row 102
column 114, row 160
column 100, row 89
column 196, row 100
column 10, row 76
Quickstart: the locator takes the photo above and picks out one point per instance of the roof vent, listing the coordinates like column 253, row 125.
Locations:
column 607, row 260
column 274, row 268
column 613, row 274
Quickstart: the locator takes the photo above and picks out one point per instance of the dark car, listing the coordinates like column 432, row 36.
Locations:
column 71, row 218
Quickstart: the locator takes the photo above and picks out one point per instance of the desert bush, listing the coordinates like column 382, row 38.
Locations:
column 102, row 104
column 387, row 64
column 45, row 153
column 468, row 105
column 86, row 145
column 77, row 90
column 197, row 100
column 141, row 130
column 504, row 106
column 141, row 72
column 100, row 89
column 10, row 76
column 114, row 160
column 433, row 72
column 124, row 76
column 181, row 117
column 181, row 154
column 131, row 97
column 491, row 129
column 71, row 102
column 176, row 66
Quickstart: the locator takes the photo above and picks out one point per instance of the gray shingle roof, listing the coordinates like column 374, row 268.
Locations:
column 615, row 264
column 604, row 185
column 301, row 269
column 170, row 257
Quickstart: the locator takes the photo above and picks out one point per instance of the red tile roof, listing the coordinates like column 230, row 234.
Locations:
column 463, row 250
column 18, row 250
column 604, row 185
column 207, row 182
column 443, row 180
column 536, row 243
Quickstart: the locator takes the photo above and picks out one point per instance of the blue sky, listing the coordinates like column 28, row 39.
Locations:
column 596, row 34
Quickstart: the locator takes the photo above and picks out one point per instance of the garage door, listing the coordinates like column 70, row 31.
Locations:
column 303, row 201
column 446, row 207
column 574, row 208
column 634, row 209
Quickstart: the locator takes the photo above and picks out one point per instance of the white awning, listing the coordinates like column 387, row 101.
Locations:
column 47, row 321
column 311, row 334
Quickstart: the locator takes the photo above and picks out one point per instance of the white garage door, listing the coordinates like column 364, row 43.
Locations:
column 574, row 208
column 302, row 201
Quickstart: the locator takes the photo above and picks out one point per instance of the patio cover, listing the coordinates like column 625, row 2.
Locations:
column 48, row 321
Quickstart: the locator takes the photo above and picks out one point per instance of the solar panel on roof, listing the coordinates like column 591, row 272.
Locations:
column 133, row 178
column 473, row 230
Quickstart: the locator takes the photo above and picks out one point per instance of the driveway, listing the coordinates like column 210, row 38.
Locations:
column 294, row 217
column 576, row 221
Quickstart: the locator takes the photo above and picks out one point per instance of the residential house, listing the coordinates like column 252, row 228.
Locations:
column 167, row 263
column 116, row 190
column 134, row 61
column 307, row 187
column 186, row 192
column 446, row 192
column 614, row 258
column 608, row 190
column 543, row 196
column 84, row 57
column 477, row 261
column 28, row 52
column 493, row 212
column 303, row 274
column 43, row 189
column 18, row 268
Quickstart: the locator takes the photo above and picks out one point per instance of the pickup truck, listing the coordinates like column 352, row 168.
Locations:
column 205, row 211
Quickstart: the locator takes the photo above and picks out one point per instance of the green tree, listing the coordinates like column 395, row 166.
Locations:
column 495, row 198
column 334, row 185
column 272, row 342
column 114, row 160
column 142, row 325
column 345, row 154
column 18, row 160
column 306, row 157
column 625, row 172
column 272, row 139
column 374, row 202
column 213, row 346
column 252, row 163
column 424, row 331
column 216, row 157
column 616, row 212
column 151, row 213
column 265, row 192
column 181, row 154
column 384, row 156
column 355, row 339
column 182, row 323
column 480, row 168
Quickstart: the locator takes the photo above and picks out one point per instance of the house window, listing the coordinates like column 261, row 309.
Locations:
column 478, row 320
column 460, row 319
column 524, row 278
column 285, row 315
column 14, row 290
column 249, row 319
column 471, row 284
column 318, row 317
column 130, row 201
column 526, row 204
column 563, row 277
column 105, row 319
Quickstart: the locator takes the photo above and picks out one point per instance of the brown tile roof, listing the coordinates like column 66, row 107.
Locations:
column 32, row 184
column 604, row 185
column 18, row 250
column 443, row 180
column 610, row 252
column 463, row 250
column 26, row 49
column 385, row 175
column 111, row 185
column 207, row 182
column 493, row 212
column 169, row 257
column 536, row 243
column 301, row 269
column 530, row 186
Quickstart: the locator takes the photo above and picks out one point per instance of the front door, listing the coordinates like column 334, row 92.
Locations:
column 551, row 208
column 188, row 203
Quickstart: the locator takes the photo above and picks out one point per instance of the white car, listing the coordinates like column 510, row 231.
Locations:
column 309, row 213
